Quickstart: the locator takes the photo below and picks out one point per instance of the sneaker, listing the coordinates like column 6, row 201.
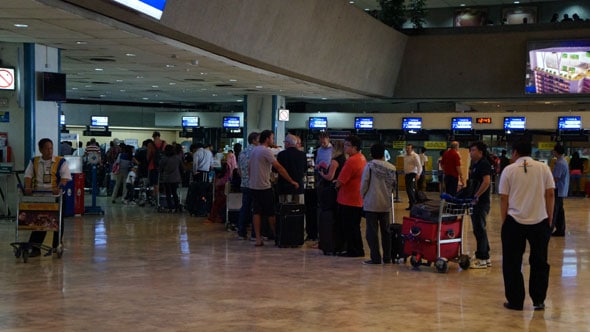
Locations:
column 478, row 264
column 489, row 262
column 370, row 262
column 539, row 306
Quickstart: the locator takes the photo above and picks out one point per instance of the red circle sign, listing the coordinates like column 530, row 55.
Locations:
column 6, row 79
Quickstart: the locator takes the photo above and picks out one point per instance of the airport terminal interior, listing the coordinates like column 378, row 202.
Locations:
column 212, row 72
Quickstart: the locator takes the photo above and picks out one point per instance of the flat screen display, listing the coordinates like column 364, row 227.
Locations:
column 557, row 67
column 318, row 122
column 7, row 79
column 569, row 123
column 99, row 121
column 363, row 123
column 190, row 121
column 231, row 122
column 412, row 123
column 62, row 119
column 461, row 124
column 53, row 86
column 153, row 8
column 514, row 123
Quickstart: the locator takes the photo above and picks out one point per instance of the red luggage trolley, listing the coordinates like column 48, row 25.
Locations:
column 438, row 241
column 41, row 211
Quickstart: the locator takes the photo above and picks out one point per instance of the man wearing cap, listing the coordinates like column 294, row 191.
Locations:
column 295, row 162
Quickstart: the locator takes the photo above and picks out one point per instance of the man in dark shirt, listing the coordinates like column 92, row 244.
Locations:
column 295, row 162
column 480, row 173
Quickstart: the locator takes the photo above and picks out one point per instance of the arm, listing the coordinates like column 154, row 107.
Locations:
column 331, row 171
column 365, row 181
column 503, row 207
column 283, row 172
column 550, row 203
column 418, row 167
column 460, row 177
column 483, row 186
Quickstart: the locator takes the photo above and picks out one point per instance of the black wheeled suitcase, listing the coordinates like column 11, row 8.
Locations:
column 199, row 198
column 330, row 240
column 397, row 243
column 290, row 225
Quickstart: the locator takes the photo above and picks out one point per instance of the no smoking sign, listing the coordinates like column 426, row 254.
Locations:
column 6, row 79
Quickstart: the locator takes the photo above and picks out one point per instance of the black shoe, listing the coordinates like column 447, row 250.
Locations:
column 370, row 262
column 507, row 305
column 539, row 306
column 387, row 261
column 556, row 233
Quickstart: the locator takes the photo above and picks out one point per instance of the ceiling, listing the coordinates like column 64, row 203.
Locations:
column 109, row 61
column 374, row 4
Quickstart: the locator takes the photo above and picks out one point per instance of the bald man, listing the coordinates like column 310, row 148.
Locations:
column 451, row 162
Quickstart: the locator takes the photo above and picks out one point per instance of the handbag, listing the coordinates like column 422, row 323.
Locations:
column 116, row 166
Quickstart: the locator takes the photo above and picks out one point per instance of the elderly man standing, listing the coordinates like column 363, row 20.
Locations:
column 412, row 170
column 295, row 162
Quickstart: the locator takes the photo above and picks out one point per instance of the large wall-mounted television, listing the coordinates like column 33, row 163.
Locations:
column 557, row 67
column 99, row 121
column 7, row 79
column 153, row 8
column 514, row 124
column 190, row 121
column 318, row 122
column 363, row 123
column 231, row 122
column 53, row 86
column 412, row 123
column 569, row 123
column 461, row 124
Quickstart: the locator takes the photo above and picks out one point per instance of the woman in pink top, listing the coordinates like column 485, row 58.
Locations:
column 350, row 202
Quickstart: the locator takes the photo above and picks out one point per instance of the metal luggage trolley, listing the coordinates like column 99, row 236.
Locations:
column 440, row 241
column 41, row 211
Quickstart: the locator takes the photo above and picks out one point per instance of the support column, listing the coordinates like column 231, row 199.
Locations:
column 261, row 113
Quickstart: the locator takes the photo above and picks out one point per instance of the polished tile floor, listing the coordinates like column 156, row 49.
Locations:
column 136, row 270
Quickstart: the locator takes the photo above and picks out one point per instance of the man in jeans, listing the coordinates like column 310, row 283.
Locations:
column 480, row 173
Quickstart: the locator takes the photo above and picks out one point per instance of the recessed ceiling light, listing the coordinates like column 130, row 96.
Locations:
column 130, row 54
column 155, row 86
column 214, row 95
column 102, row 96
column 119, row 81
column 122, row 90
column 138, row 76
column 202, row 73
column 21, row 25
column 88, row 86
column 516, row 2
column 259, row 87
column 74, row 88
column 367, row 9
column 462, row 5
column 81, row 43
column 170, row 66
column 324, row 98
column 145, row 98
column 233, row 80
column 240, row 100
column 98, row 69
column 171, row 83
column 351, row 2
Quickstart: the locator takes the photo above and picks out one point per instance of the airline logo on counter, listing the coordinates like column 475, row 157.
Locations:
column 398, row 144
column 546, row 146
column 153, row 8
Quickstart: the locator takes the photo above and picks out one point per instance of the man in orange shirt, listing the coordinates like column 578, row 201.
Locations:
column 350, row 202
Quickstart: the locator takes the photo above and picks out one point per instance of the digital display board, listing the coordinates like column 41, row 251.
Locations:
column 567, row 123
column 363, row 123
column 231, row 122
column 412, row 123
column 318, row 122
column 99, row 121
column 514, row 123
column 483, row 120
column 190, row 121
column 461, row 124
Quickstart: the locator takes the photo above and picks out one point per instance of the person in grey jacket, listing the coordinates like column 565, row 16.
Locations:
column 170, row 176
column 377, row 185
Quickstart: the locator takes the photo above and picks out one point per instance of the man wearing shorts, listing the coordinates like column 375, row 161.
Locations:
column 259, row 168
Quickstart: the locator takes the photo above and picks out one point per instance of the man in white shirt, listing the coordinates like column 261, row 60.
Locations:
column 412, row 170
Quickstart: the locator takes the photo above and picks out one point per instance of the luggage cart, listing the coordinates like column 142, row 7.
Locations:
column 41, row 211
column 440, row 241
